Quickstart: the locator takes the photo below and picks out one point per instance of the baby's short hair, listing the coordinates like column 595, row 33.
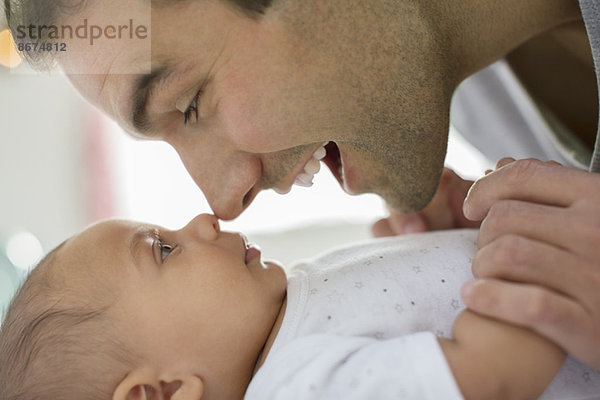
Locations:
column 52, row 348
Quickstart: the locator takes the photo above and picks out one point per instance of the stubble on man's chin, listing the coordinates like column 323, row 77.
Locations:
column 411, row 197
column 404, row 170
column 277, row 166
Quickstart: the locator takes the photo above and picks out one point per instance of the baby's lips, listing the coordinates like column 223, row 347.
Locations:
column 252, row 253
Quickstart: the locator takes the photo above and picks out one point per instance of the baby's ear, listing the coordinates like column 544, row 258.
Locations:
column 135, row 386
column 189, row 388
column 143, row 384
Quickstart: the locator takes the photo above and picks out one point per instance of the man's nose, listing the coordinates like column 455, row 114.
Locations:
column 231, row 190
column 230, row 182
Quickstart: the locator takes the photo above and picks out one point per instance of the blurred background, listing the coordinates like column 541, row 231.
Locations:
column 64, row 165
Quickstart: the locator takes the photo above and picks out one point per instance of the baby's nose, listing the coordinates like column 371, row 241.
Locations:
column 206, row 226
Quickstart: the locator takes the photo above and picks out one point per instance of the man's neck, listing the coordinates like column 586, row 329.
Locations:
column 479, row 32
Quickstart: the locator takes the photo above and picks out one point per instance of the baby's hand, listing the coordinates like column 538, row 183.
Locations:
column 443, row 212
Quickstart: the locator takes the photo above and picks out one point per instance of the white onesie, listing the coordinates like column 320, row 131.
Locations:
column 361, row 323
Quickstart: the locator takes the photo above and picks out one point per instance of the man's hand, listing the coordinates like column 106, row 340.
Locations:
column 538, row 263
column 443, row 212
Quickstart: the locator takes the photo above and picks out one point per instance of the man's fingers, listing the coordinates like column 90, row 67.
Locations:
column 504, row 161
column 575, row 228
column 551, row 314
column 517, row 258
column 529, row 180
column 535, row 221
column 539, row 252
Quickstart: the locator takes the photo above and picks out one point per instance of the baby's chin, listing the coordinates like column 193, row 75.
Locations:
column 277, row 273
column 273, row 264
column 276, row 267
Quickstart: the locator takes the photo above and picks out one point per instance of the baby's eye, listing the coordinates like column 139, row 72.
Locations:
column 165, row 250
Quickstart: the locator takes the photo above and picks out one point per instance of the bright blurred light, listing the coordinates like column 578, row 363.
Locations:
column 9, row 57
column 23, row 250
column 9, row 282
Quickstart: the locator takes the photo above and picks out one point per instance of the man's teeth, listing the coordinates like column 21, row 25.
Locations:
column 321, row 152
column 312, row 167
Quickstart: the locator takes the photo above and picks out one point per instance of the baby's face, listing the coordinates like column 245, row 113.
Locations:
column 194, row 298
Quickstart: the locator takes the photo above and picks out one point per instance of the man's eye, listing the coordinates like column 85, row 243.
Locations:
column 192, row 109
column 165, row 250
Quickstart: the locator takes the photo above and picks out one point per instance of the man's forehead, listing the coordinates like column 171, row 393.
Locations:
column 109, row 92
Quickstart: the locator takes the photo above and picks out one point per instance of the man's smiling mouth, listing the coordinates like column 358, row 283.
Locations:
column 327, row 153
column 333, row 160
column 312, row 167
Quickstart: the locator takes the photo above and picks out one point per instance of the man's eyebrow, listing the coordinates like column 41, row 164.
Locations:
column 143, row 87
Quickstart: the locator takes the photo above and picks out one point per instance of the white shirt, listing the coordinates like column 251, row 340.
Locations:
column 361, row 323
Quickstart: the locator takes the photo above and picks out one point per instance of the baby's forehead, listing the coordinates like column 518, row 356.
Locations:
column 107, row 233
column 98, row 253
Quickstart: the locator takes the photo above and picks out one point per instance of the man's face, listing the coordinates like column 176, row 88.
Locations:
column 247, row 103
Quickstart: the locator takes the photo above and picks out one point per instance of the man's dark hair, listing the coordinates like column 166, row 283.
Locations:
column 21, row 13
column 49, row 12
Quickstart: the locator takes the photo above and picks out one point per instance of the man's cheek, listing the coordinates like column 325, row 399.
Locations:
column 249, row 123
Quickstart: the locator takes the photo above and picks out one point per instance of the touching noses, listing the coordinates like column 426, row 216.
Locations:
column 231, row 189
column 204, row 227
column 229, row 179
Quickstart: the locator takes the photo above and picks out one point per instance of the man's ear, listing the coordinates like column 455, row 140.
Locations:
column 143, row 384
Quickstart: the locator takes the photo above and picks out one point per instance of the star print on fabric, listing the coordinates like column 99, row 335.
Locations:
column 586, row 376
column 359, row 285
column 399, row 308
column 335, row 296
column 455, row 304
column 416, row 269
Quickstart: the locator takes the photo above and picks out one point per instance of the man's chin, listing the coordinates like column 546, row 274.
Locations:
column 409, row 200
